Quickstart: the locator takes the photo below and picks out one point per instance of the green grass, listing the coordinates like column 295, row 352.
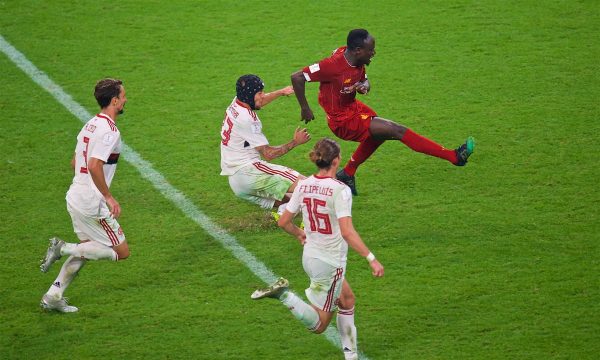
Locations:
column 497, row 260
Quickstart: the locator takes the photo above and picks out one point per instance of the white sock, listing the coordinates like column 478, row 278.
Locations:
column 91, row 250
column 281, row 209
column 345, row 325
column 67, row 273
column 301, row 310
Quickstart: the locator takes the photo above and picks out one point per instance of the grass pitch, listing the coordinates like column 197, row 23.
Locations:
column 496, row 260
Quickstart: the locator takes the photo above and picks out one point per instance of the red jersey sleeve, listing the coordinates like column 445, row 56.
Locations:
column 323, row 71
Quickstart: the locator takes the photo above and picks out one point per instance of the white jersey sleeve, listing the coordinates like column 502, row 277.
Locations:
column 293, row 205
column 342, row 202
column 105, row 145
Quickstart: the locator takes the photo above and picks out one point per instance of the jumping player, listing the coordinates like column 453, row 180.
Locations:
column 341, row 76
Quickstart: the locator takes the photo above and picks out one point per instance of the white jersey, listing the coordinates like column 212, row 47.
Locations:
column 99, row 138
column 241, row 133
column 323, row 200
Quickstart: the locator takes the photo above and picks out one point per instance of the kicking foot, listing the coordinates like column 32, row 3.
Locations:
column 52, row 254
column 49, row 303
column 274, row 291
column 348, row 180
column 464, row 151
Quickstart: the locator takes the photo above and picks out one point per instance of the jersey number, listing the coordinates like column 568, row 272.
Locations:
column 318, row 221
column 226, row 132
column 84, row 169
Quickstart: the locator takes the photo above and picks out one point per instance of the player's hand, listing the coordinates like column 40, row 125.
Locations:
column 362, row 88
column 113, row 206
column 377, row 268
column 307, row 115
column 287, row 91
column 301, row 136
column 301, row 237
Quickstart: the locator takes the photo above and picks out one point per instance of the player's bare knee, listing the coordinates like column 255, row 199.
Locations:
column 322, row 327
column 347, row 301
column 122, row 251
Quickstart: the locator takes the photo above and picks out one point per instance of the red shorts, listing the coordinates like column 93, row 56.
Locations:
column 352, row 124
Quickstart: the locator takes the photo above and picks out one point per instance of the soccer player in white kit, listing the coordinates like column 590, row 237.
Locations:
column 326, row 205
column 243, row 146
column 93, row 209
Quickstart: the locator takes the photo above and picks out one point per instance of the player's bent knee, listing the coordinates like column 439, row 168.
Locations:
column 122, row 251
column 322, row 327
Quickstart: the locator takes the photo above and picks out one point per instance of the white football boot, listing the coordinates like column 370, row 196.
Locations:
column 52, row 254
column 274, row 291
column 57, row 304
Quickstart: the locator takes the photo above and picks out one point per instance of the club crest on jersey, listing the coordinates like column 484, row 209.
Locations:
column 90, row 128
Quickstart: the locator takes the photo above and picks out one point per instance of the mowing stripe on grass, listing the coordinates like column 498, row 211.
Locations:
column 157, row 179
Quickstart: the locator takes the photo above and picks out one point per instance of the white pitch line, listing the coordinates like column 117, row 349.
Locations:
column 156, row 179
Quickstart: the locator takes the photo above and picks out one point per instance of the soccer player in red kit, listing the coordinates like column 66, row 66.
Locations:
column 341, row 76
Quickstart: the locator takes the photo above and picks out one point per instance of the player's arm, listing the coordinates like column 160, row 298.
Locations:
column 265, row 98
column 285, row 222
column 355, row 242
column 299, row 85
column 96, row 169
column 269, row 153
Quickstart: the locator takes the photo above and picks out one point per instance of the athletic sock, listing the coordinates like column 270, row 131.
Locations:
column 67, row 273
column 424, row 145
column 301, row 310
column 364, row 150
column 347, row 330
column 90, row 250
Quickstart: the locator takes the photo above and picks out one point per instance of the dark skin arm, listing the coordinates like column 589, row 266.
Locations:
column 299, row 84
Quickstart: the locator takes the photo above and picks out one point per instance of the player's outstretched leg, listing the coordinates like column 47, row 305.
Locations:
column 464, row 151
column 301, row 310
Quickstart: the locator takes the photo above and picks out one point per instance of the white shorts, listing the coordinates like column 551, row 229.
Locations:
column 325, row 283
column 262, row 183
column 103, row 228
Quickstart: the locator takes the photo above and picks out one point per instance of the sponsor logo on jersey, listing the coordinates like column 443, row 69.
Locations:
column 314, row 68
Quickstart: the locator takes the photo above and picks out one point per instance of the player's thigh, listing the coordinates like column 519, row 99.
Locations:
column 325, row 283
column 263, row 183
column 103, row 228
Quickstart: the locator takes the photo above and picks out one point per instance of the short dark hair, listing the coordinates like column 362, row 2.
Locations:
column 105, row 90
column 356, row 38
column 324, row 152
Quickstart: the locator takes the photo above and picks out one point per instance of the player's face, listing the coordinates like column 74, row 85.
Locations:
column 367, row 52
column 258, row 99
column 120, row 101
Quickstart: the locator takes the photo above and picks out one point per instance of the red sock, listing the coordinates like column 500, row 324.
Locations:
column 362, row 153
column 424, row 145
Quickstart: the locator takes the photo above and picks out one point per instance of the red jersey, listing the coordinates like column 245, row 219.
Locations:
column 335, row 76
